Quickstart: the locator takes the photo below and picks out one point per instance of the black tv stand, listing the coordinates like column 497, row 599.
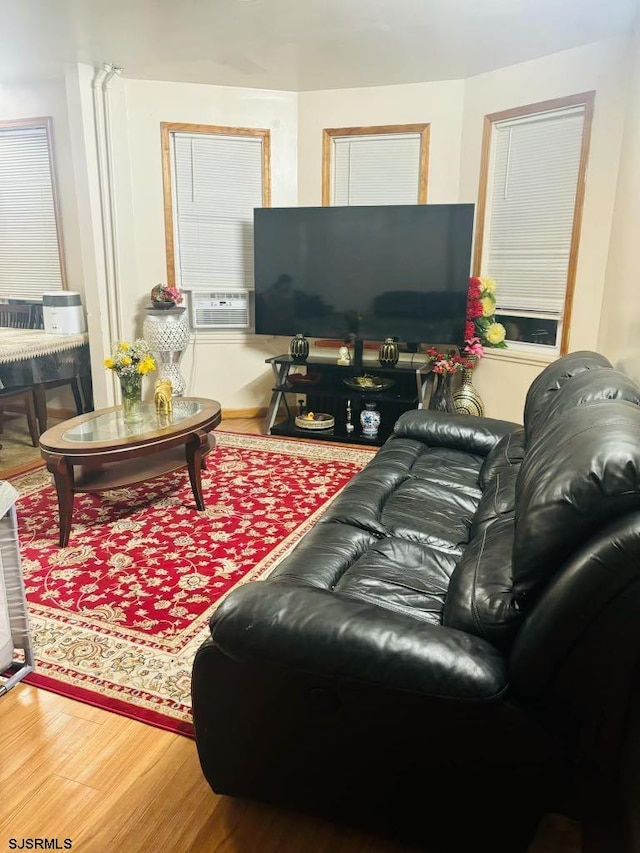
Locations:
column 411, row 390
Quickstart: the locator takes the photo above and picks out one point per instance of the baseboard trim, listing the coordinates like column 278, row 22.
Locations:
column 61, row 414
column 258, row 412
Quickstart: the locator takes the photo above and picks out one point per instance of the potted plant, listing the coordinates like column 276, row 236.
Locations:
column 164, row 296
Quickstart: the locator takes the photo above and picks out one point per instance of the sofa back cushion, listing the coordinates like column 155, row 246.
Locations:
column 543, row 498
column 546, row 386
column 590, row 386
column 582, row 472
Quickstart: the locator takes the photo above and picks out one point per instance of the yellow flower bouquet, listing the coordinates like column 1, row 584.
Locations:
column 130, row 361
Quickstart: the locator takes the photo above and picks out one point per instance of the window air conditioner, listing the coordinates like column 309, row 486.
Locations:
column 219, row 310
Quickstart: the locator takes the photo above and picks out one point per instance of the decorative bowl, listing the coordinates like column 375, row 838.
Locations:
column 368, row 383
column 297, row 380
column 315, row 420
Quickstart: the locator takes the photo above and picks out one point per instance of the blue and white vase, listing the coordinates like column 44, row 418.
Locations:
column 370, row 420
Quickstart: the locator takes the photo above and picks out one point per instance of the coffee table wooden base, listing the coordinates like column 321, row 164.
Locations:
column 70, row 479
column 98, row 466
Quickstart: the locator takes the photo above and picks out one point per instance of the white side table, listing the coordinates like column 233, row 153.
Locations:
column 167, row 332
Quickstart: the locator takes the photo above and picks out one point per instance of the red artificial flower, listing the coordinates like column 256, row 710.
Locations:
column 474, row 309
column 475, row 287
column 469, row 330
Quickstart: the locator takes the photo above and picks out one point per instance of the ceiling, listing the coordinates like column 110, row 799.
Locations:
column 297, row 45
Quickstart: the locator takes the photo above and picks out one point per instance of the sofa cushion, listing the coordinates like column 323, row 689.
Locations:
column 402, row 576
column 395, row 574
column 420, row 493
column 394, row 535
column 581, row 474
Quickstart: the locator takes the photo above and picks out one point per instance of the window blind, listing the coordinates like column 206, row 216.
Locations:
column 29, row 251
column 217, row 183
column 532, row 202
column 380, row 169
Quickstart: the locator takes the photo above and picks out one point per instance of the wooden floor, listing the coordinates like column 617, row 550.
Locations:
column 107, row 783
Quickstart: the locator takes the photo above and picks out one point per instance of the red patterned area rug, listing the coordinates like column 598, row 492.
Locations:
column 117, row 615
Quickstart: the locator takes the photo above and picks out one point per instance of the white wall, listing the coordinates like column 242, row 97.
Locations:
column 438, row 103
column 603, row 67
column 620, row 329
column 228, row 366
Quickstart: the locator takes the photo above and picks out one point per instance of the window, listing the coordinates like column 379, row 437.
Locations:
column 529, row 213
column 31, row 259
column 375, row 165
column 214, row 177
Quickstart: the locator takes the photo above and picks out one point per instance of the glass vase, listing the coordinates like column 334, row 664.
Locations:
column 131, row 388
column 442, row 397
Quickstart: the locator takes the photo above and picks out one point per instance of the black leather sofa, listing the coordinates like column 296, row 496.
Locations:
column 452, row 649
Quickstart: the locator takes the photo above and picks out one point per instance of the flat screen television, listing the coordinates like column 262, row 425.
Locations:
column 368, row 272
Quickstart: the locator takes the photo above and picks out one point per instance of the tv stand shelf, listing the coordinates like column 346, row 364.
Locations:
column 411, row 389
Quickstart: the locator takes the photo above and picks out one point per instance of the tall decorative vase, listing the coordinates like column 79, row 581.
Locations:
column 441, row 397
column 167, row 332
column 388, row 354
column 466, row 399
column 370, row 420
column 131, row 389
column 299, row 348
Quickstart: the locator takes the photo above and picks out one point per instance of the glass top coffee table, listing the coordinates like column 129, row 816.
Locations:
column 100, row 450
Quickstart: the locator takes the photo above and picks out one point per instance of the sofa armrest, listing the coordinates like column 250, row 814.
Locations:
column 460, row 432
column 319, row 631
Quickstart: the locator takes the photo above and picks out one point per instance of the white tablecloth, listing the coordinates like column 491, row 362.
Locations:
column 19, row 344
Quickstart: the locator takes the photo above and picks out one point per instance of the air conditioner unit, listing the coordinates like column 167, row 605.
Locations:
column 220, row 310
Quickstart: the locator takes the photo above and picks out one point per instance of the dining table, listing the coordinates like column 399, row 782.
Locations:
column 35, row 357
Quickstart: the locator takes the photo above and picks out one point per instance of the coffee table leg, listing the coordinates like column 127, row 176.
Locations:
column 63, row 478
column 195, row 448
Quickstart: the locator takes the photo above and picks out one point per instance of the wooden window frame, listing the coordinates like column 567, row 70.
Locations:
column 329, row 133
column 166, row 129
column 47, row 123
column 585, row 99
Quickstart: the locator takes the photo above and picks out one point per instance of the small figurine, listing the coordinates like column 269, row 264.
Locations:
column 162, row 396
column 349, row 426
column 344, row 356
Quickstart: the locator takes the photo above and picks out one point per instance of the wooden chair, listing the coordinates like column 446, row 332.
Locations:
column 15, row 316
column 19, row 317
column 23, row 396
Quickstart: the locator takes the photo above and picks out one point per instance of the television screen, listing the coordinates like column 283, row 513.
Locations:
column 375, row 272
